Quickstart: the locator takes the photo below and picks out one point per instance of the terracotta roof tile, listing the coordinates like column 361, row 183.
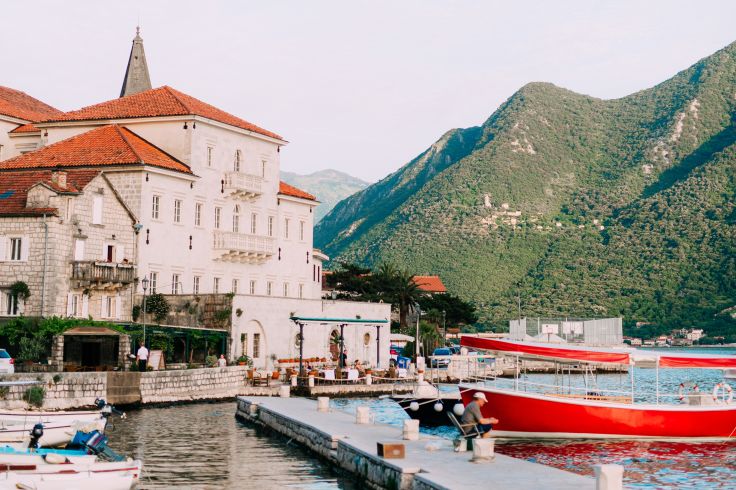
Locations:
column 162, row 101
column 104, row 146
column 14, row 186
column 15, row 103
column 430, row 284
column 290, row 190
column 26, row 128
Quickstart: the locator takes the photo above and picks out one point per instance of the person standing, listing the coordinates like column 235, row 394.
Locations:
column 473, row 416
column 142, row 357
column 222, row 362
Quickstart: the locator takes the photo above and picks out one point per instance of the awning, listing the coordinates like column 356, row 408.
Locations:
column 90, row 330
column 697, row 361
column 556, row 352
column 304, row 319
column 400, row 337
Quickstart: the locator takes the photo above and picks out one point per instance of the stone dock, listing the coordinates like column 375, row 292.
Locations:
column 429, row 463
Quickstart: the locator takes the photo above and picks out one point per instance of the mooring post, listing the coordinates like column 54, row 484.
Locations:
column 609, row 476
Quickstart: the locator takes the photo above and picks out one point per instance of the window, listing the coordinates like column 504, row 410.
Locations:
column 74, row 310
column 153, row 282
column 11, row 304
column 218, row 214
column 236, row 164
column 301, row 291
column 210, row 150
column 235, row 286
column 286, row 289
column 256, row 345
column 244, row 341
column 216, row 285
column 263, row 168
column 269, row 288
column 286, row 228
column 175, row 284
column 301, row 230
column 198, row 214
column 109, row 252
column 195, row 285
column 16, row 245
column 270, row 226
column 252, row 287
column 78, row 249
column 236, row 219
column 97, row 210
column 253, row 223
column 107, row 308
column 177, row 210
column 69, row 208
column 155, row 206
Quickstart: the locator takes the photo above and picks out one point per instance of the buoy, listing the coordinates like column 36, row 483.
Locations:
column 438, row 407
column 458, row 409
column 413, row 406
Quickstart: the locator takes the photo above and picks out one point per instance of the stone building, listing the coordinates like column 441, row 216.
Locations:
column 206, row 211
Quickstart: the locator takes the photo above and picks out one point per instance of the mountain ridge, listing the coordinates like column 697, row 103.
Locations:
column 328, row 185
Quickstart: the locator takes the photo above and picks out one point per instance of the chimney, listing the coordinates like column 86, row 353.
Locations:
column 58, row 177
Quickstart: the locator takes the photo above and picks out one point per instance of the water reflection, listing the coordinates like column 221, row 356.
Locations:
column 202, row 446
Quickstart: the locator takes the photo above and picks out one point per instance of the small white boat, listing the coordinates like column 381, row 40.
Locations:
column 67, row 481
column 54, row 433
column 729, row 373
column 13, row 417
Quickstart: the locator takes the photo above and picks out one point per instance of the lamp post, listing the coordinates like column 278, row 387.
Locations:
column 416, row 340
column 444, row 327
column 144, row 283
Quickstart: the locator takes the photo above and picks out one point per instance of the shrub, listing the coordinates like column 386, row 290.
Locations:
column 34, row 396
column 56, row 378
column 31, row 349
column 136, row 313
column 20, row 290
column 159, row 306
column 211, row 361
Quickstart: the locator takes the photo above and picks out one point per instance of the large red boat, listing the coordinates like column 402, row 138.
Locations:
column 552, row 411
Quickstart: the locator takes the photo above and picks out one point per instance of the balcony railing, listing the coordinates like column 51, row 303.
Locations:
column 239, row 247
column 104, row 273
column 241, row 185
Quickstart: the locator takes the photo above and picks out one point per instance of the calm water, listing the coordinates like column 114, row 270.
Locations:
column 202, row 446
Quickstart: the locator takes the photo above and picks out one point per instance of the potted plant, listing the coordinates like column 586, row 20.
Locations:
column 276, row 373
column 244, row 361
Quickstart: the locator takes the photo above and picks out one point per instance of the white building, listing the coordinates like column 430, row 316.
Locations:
column 208, row 214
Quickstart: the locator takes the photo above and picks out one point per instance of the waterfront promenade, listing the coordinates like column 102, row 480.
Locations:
column 430, row 462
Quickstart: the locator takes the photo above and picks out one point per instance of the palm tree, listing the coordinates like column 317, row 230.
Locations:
column 398, row 287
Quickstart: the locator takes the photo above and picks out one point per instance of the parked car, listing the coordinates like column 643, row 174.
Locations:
column 440, row 363
column 455, row 349
column 7, row 363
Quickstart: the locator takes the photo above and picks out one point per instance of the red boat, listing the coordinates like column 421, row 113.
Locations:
column 543, row 411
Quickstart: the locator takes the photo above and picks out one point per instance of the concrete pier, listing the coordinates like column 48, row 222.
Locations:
column 429, row 462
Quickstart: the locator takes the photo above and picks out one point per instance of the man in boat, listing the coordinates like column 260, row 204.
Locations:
column 473, row 416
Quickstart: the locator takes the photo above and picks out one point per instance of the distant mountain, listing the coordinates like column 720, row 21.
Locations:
column 330, row 187
column 582, row 206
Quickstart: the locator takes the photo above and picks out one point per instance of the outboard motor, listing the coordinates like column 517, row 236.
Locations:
column 94, row 443
column 36, row 435
column 107, row 409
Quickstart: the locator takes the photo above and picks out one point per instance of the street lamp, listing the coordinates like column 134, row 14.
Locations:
column 444, row 326
column 144, row 283
column 416, row 340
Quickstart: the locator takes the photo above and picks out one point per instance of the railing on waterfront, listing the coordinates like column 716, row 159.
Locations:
column 243, row 185
column 103, row 272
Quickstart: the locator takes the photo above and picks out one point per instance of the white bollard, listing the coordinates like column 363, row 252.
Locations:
column 284, row 391
column 323, row 403
column 293, row 379
column 411, row 430
column 362, row 415
column 310, row 381
column 368, row 379
column 420, row 377
column 609, row 476
column 483, row 450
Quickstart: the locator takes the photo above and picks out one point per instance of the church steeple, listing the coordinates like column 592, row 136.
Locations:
column 136, row 74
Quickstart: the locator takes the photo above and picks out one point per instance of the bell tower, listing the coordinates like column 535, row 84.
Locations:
column 136, row 74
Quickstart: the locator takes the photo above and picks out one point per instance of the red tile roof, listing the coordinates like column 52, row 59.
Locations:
column 104, row 146
column 14, row 186
column 26, row 128
column 15, row 103
column 162, row 101
column 430, row 284
column 290, row 190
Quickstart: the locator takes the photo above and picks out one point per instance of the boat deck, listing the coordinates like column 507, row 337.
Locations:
column 430, row 462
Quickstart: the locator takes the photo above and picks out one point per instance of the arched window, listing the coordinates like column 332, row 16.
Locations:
column 236, row 163
column 236, row 219
column 367, row 339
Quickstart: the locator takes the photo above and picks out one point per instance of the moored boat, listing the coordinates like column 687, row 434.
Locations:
column 545, row 411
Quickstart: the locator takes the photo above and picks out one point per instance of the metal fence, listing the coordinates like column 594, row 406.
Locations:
column 589, row 331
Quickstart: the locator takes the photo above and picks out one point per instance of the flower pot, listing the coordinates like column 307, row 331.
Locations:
column 275, row 375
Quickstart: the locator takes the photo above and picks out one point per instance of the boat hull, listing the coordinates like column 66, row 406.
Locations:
column 425, row 412
column 10, row 417
column 534, row 415
column 54, row 433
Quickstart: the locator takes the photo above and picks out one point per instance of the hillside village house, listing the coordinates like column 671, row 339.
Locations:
column 161, row 185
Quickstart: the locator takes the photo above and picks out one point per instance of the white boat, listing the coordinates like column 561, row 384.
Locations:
column 67, row 481
column 15, row 455
column 729, row 373
column 13, row 417
column 54, row 433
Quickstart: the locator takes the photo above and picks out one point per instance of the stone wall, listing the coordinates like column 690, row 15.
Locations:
column 192, row 384
column 70, row 390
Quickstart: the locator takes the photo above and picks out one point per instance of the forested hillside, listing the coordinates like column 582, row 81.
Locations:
column 580, row 205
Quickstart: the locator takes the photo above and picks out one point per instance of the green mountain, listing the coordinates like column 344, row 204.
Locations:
column 330, row 187
column 581, row 206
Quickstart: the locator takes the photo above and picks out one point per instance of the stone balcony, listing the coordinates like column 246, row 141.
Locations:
column 240, row 247
column 102, row 275
column 242, row 186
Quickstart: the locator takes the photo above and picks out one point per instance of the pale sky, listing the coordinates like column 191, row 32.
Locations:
column 358, row 86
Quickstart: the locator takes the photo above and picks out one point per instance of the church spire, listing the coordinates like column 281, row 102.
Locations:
column 136, row 74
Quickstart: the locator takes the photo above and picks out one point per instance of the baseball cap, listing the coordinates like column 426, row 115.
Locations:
column 480, row 396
